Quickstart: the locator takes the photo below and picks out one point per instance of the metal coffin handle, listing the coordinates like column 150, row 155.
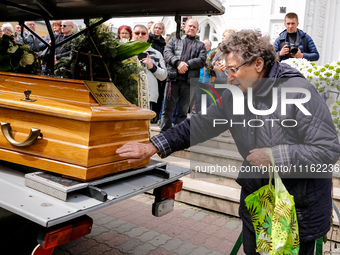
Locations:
column 6, row 130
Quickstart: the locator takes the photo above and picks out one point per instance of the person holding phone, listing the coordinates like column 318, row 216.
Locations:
column 154, row 64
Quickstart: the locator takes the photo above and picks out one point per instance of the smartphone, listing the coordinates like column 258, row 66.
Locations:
column 142, row 55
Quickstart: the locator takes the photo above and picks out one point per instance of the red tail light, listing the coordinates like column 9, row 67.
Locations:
column 170, row 190
column 66, row 233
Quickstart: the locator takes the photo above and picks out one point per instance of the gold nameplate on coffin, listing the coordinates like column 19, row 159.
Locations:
column 106, row 93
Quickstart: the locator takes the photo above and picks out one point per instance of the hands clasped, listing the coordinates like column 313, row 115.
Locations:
column 182, row 67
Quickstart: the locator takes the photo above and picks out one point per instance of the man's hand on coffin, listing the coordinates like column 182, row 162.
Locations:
column 136, row 151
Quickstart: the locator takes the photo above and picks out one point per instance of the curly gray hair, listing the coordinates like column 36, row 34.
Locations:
column 248, row 45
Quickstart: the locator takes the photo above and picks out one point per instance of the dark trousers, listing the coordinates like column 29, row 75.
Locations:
column 175, row 91
column 157, row 107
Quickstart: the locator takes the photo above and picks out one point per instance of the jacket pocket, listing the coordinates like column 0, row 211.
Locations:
column 172, row 74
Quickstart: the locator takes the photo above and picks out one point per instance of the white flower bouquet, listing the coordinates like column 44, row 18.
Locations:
column 326, row 80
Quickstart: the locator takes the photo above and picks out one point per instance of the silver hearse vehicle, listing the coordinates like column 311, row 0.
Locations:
column 41, row 210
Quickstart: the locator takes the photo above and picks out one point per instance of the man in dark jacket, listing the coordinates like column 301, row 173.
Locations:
column 63, row 50
column 279, row 112
column 294, row 43
column 185, row 58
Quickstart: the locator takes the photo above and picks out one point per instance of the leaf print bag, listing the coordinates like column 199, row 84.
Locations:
column 272, row 210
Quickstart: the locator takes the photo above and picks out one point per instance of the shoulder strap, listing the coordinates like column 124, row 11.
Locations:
column 282, row 43
column 304, row 44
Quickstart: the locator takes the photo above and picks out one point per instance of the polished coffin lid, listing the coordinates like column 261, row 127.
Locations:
column 78, row 137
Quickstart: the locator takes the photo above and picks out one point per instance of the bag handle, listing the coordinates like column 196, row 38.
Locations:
column 279, row 186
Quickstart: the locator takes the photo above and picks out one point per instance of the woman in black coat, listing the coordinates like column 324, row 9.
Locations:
column 158, row 42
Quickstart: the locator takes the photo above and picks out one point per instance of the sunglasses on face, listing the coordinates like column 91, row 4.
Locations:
column 64, row 25
column 137, row 33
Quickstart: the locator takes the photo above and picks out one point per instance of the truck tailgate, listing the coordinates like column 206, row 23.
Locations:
column 48, row 211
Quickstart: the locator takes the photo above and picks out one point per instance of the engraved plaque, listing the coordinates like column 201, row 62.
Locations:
column 106, row 93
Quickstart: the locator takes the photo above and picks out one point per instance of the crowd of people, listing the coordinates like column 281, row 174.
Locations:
column 61, row 30
column 179, row 60
column 187, row 59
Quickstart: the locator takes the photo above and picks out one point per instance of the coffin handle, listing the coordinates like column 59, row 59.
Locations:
column 6, row 130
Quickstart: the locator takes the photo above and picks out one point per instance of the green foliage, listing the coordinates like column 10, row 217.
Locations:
column 130, row 49
column 267, row 225
column 124, row 73
column 17, row 58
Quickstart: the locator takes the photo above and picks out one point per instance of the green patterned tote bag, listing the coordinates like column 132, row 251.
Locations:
column 272, row 210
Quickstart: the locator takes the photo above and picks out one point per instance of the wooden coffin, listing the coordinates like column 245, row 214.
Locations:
column 77, row 138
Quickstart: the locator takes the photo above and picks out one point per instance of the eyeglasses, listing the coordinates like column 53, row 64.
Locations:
column 233, row 70
column 138, row 33
column 65, row 25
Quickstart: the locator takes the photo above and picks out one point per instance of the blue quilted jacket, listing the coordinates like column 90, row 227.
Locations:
column 311, row 53
column 313, row 140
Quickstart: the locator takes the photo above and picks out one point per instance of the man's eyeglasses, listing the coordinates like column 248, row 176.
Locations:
column 233, row 70
column 137, row 33
column 65, row 25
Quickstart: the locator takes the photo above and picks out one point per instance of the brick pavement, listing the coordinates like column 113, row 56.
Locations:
column 130, row 228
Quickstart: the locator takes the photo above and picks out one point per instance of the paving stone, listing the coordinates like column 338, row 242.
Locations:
column 136, row 231
column 199, row 226
column 144, row 249
column 129, row 245
column 104, row 237
column 126, row 227
column 187, row 234
column 159, row 251
column 172, row 244
column 104, row 220
column 232, row 225
column 159, row 240
column 115, row 224
column 215, row 253
column 212, row 242
column 201, row 251
column 163, row 227
column 199, row 216
column 81, row 246
column 97, row 230
column 130, row 228
column 199, row 238
column 220, row 221
column 222, row 233
column 186, row 248
column 112, row 252
column 147, row 236
column 210, row 230
column 117, row 240
column 189, row 213
column 97, row 216
column 96, row 250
